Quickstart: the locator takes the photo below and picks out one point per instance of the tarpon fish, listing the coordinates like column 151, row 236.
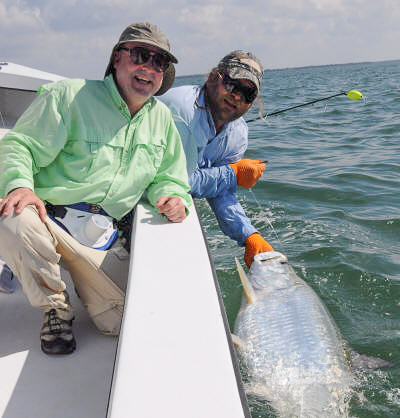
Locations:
column 290, row 345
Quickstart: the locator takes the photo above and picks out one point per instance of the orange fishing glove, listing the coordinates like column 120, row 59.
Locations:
column 248, row 171
column 255, row 244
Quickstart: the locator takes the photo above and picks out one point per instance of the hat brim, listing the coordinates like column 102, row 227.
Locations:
column 148, row 42
column 168, row 80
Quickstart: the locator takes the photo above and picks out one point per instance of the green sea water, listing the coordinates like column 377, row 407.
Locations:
column 330, row 200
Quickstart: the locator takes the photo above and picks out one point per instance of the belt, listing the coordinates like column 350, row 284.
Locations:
column 59, row 211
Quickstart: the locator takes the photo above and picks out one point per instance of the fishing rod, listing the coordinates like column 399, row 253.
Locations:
column 352, row 95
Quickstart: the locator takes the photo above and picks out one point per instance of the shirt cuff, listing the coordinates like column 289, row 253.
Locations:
column 16, row 184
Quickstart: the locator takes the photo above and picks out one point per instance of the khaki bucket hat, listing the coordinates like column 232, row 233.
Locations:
column 149, row 34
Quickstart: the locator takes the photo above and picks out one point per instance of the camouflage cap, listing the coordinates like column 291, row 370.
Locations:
column 149, row 34
column 240, row 64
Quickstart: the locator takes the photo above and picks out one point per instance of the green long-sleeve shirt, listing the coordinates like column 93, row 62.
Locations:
column 77, row 142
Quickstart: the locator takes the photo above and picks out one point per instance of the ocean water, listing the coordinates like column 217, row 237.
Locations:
column 330, row 200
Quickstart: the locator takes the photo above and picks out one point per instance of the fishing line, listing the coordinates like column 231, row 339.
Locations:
column 352, row 95
column 262, row 210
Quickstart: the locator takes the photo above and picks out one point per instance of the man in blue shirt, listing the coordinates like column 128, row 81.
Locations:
column 215, row 137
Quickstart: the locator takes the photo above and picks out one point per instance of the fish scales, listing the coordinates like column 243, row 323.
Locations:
column 290, row 345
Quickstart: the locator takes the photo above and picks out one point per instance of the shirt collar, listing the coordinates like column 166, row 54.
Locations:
column 201, row 104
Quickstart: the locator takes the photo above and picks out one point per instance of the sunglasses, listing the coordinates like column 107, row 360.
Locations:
column 247, row 93
column 140, row 55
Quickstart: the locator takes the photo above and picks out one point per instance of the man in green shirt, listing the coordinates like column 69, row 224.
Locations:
column 98, row 146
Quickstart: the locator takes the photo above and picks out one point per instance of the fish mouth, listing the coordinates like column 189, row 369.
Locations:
column 270, row 260
column 269, row 257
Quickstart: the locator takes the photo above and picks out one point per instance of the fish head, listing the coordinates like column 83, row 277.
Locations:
column 269, row 270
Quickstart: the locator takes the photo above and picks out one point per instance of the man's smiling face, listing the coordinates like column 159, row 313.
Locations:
column 136, row 82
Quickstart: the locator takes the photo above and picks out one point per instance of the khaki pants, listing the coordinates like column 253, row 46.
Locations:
column 35, row 250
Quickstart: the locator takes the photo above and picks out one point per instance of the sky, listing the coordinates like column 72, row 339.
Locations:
column 74, row 38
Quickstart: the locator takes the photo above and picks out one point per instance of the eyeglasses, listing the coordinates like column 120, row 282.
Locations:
column 247, row 93
column 140, row 55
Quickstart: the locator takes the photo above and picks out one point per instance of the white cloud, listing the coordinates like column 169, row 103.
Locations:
column 74, row 38
column 17, row 14
column 209, row 15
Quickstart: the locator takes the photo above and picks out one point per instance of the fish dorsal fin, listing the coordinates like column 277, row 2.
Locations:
column 247, row 287
column 362, row 361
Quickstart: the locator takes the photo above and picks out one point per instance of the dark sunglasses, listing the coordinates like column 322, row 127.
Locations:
column 247, row 93
column 140, row 55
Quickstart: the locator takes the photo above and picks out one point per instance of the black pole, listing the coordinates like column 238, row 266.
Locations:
column 294, row 107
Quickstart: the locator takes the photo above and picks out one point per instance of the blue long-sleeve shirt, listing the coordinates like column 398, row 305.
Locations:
column 208, row 155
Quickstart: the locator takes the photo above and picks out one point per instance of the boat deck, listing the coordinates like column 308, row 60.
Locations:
column 34, row 384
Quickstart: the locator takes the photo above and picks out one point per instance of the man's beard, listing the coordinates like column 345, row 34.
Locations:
column 222, row 111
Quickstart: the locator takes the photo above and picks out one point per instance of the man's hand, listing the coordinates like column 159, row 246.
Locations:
column 248, row 171
column 255, row 244
column 19, row 199
column 173, row 207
